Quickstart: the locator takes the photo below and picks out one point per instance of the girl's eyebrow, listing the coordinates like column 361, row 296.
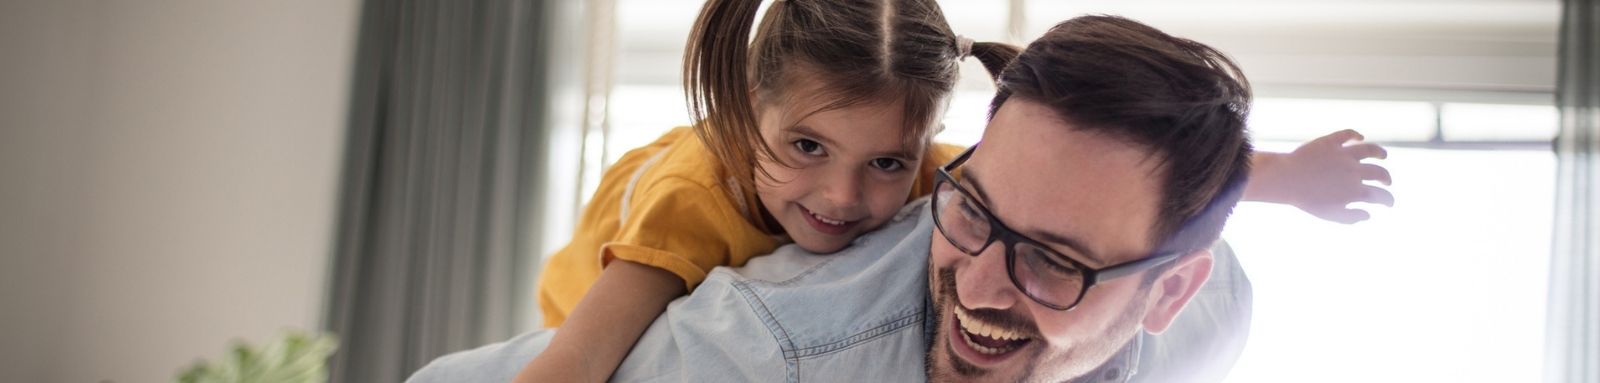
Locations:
column 807, row 131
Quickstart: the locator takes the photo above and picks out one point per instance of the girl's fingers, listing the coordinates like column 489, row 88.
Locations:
column 1372, row 172
column 1346, row 216
column 1339, row 137
column 1377, row 195
column 1367, row 150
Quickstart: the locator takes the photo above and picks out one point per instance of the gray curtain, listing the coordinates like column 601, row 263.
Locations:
column 1573, row 352
column 439, row 183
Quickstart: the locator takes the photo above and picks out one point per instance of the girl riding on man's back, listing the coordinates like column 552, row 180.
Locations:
column 815, row 130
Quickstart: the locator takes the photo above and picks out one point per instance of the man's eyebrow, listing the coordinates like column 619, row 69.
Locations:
column 1078, row 246
column 971, row 176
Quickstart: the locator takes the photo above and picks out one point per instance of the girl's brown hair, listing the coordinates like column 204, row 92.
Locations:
column 860, row 52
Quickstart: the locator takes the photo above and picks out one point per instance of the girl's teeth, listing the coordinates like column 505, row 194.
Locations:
column 826, row 220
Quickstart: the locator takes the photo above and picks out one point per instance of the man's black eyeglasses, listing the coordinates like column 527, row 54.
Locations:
column 1053, row 279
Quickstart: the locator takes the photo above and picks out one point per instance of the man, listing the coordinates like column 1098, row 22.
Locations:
column 1082, row 221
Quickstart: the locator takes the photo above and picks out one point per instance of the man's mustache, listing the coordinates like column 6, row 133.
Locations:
column 1006, row 320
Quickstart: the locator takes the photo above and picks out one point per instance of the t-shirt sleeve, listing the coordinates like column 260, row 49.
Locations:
column 678, row 226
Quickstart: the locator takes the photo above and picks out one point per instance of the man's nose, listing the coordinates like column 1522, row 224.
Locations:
column 984, row 283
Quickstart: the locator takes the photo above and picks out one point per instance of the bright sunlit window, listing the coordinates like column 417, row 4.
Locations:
column 1448, row 285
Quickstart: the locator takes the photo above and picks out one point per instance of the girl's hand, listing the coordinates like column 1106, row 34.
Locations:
column 1323, row 177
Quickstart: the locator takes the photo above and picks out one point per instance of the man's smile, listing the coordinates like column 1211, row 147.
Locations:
column 981, row 342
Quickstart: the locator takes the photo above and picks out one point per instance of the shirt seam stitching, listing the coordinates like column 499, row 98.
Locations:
column 781, row 335
column 890, row 327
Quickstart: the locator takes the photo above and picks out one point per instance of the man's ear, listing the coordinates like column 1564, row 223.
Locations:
column 1173, row 289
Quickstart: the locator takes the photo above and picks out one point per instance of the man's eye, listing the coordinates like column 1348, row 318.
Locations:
column 1048, row 262
column 808, row 147
column 888, row 164
column 971, row 212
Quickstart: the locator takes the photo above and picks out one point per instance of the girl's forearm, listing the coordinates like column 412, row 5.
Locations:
column 605, row 324
column 1265, row 174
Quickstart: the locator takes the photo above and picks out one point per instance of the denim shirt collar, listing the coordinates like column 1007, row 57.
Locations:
column 1120, row 368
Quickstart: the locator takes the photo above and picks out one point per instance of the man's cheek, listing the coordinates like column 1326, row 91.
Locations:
column 940, row 261
column 942, row 254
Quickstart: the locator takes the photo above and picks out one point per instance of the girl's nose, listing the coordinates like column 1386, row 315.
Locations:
column 844, row 192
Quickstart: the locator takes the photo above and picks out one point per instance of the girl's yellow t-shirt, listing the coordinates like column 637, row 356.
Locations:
column 669, row 205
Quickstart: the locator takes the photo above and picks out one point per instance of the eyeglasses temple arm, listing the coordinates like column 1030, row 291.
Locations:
column 1124, row 269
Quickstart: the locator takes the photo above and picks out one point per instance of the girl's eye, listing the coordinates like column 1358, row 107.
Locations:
column 808, row 147
column 887, row 164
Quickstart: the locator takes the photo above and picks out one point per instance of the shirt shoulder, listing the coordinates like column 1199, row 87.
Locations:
column 686, row 228
column 866, row 302
column 686, row 158
column 942, row 153
column 855, row 315
column 498, row 362
column 936, row 156
column 686, row 168
column 677, row 213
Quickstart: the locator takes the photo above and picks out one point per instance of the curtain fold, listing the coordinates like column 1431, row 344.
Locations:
column 1572, row 352
column 440, row 182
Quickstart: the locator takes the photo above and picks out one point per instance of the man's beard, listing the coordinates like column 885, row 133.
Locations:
column 944, row 296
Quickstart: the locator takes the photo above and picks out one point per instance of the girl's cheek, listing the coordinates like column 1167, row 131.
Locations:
column 781, row 176
column 886, row 198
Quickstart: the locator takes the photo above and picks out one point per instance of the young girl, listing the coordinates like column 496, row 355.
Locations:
column 815, row 132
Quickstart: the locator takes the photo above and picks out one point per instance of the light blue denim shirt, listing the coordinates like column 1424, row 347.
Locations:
column 856, row 315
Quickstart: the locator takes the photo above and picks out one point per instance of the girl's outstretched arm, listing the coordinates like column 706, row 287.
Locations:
column 605, row 324
column 1322, row 177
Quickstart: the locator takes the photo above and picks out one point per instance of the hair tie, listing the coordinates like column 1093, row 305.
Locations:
column 963, row 47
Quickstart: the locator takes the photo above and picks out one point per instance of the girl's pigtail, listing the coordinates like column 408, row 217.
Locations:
column 717, row 87
column 995, row 56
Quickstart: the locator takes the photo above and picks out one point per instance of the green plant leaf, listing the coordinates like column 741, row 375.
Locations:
column 294, row 357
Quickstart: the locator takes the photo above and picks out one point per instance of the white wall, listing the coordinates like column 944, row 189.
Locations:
column 168, row 179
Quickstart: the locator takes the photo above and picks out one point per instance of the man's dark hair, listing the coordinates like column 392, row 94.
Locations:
column 1185, row 101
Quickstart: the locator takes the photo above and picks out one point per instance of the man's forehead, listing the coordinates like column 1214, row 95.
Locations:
column 1047, row 177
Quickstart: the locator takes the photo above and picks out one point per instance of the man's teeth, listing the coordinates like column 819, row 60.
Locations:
column 967, row 338
column 826, row 220
column 978, row 327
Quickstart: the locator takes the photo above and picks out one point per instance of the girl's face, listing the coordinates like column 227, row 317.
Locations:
column 848, row 172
